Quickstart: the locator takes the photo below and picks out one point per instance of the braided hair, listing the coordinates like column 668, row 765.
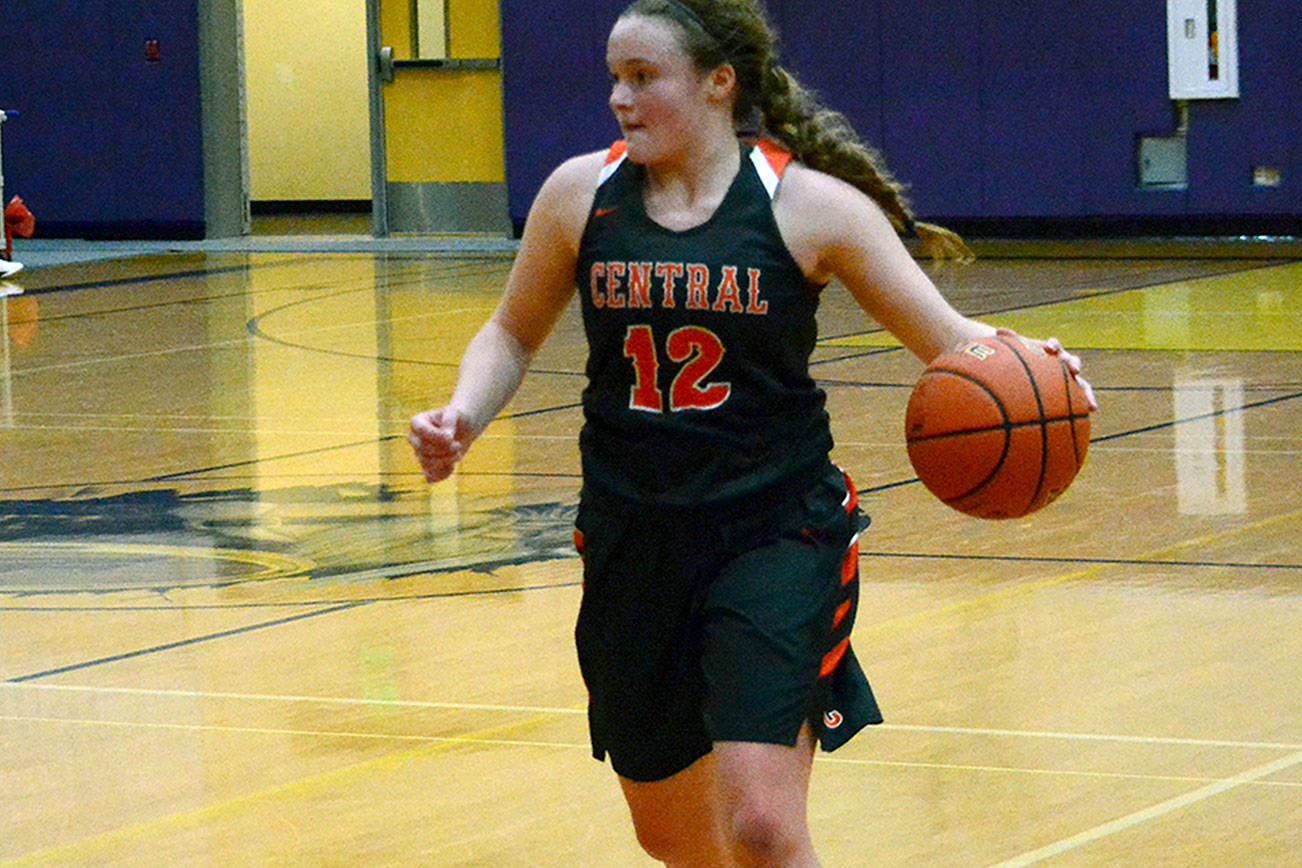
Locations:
column 772, row 102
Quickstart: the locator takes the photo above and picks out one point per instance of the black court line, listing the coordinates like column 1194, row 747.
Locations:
column 1225, row 411
column 388, row 438
column 551, row 586
column 394, row 280
column 170, row 646
column 397, row 598
column 153, row 278
column 882, row 384
column 1146, row 429
column 1282, row 262
column 1107, row 562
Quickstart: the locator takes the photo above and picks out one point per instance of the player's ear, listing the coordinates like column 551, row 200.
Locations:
column 722, row 82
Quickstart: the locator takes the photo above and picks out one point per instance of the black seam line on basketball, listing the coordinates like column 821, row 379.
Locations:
column 1008, row 441
column 1283, row 262
column 171, row 646
column 1042, row 423
column 1006, row 426
column 252, row 462
column 1071, row 414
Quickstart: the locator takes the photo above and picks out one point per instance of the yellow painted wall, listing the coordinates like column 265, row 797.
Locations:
column 474, row 26
column 305, row 73
column 445, row 126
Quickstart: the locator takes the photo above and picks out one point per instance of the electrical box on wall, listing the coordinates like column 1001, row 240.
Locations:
column 1202, row 49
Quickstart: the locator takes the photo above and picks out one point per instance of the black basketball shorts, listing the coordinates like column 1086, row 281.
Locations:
column 696, row 628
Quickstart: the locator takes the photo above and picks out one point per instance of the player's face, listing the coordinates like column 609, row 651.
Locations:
column 657, row 94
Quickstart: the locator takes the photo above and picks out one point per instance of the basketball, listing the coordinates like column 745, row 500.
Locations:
column 997, row 428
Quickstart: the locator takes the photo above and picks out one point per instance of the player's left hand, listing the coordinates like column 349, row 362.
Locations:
column 1054, row 347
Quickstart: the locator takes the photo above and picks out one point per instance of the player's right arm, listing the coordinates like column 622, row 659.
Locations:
column 538, row 290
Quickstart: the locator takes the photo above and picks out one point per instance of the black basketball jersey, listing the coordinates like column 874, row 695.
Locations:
column 699, row 391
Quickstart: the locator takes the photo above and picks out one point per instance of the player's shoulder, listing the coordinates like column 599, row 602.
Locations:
column 821, row 216
column 811, row 188
column 566, row 197
column 824, row 204
column 578, row 174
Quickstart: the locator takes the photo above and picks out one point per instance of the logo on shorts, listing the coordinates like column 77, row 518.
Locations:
column 832, row 719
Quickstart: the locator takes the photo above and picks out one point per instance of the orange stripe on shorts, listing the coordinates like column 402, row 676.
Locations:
column 850, row 566
column 833, row 658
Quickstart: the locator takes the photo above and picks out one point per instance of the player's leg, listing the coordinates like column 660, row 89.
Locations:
column 678, row 819
column 777, row 664
column 743, row 805
column 762, row 792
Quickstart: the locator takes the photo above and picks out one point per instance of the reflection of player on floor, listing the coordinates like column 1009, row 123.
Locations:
column 720, row 562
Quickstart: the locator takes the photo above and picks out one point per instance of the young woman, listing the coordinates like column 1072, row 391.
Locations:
column 720, row 563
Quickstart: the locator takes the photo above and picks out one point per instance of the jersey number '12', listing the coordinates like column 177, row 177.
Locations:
column 697, row 349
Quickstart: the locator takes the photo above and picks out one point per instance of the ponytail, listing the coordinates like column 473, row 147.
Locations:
column 824, row 140
column 770, row 99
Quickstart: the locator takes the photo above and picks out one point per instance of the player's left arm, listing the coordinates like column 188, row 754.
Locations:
column 835, row 231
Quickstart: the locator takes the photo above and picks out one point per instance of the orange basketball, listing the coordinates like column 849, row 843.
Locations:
column 997, row 429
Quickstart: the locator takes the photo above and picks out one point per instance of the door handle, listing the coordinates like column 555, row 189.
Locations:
column 385, row 61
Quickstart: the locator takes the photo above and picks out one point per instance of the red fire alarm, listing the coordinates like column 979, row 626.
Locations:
column 153, row 54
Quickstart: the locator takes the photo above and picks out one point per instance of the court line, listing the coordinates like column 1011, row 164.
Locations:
column 475, row 739
column 1283, row 262
column 189, row 819
column 1130, row 821
column 407, row 570
column 290, row 260
column 272, row 697
column 1018, row 590
column 1113, row 562
column 274, row 566
column 579, row 710
column 170, row 646
column 1202, row 417
column 432, row 745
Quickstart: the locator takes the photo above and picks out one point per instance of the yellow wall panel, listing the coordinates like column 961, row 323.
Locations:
column 444, row 127
column 473, row 25
column 309, row 128
column 395, row 27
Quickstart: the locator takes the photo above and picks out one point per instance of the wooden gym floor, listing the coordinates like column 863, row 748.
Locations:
column 237, row 629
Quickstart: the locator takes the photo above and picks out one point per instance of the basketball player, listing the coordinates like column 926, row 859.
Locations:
column 720, row 562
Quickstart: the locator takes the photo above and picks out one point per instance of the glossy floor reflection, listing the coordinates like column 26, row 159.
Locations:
column 237, row 628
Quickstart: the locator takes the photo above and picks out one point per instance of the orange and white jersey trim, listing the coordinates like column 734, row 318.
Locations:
column 770, row 160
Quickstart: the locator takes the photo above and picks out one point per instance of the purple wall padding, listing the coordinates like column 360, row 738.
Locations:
column 1003, row 110
column 107, row 143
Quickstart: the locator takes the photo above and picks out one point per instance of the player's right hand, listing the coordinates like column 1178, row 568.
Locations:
column 440, row 439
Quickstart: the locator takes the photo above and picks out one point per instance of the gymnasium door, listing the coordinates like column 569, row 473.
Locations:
column 437, row 152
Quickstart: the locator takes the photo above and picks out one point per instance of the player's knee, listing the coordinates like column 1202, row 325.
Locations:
column 760, row 834
column 661, row 842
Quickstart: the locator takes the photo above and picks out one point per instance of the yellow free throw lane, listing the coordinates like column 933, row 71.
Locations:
column 1257, row 310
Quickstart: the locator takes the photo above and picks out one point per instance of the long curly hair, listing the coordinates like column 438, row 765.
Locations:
column 773, row 103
